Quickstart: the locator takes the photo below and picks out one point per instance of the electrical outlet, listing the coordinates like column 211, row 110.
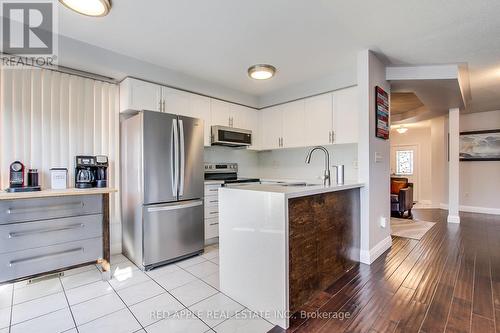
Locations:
column 383, row 222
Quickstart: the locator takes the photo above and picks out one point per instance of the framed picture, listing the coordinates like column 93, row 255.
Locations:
column 381, row 113
column 480, row 145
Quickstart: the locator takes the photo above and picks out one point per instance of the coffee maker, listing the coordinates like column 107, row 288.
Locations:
column 91, row 171
column 101, row 178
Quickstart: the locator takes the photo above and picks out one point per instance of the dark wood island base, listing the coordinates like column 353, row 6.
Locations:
column 324, row 241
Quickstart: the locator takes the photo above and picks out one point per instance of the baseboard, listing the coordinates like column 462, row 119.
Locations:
column 367, row 257
column 453, row 219
column 482, row 210
column 474, row 209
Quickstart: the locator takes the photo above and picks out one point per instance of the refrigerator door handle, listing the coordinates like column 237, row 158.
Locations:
column 175, row 158
column 183, row 158
column 175, row 206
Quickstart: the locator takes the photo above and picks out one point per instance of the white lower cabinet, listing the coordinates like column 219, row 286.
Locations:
column 211, row 211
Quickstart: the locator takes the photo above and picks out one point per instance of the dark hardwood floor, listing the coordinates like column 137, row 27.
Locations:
column 449, row 281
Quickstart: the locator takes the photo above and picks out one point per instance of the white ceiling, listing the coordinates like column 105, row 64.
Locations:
column 306, row 40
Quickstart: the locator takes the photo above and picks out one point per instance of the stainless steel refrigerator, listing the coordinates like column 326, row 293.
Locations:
column 161, row 188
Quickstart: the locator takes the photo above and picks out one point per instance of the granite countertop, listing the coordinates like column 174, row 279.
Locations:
column 54, row 193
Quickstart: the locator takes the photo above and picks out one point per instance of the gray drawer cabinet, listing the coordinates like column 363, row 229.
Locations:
column 43, row 232
column 14, row 265
column 49, row 208
column 28, row 235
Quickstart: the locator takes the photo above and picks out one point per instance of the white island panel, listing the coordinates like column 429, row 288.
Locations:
column 254, row 251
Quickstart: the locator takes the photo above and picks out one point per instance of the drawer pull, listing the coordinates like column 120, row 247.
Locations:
column 42, row 231
column 44, row 256
column 212, row 201
column 214, row 223
column 213, row 213
column 43, row 209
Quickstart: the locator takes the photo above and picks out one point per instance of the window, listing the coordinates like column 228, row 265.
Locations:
column 404, row 162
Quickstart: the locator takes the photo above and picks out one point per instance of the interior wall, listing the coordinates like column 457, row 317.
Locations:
column 421, row 137
column 374, row 163
column 480, row 180
column 439, row 161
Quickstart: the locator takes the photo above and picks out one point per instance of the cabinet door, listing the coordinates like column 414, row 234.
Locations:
column 271, row 127
column 176, row 101
column 238, row 114
column 293, row 125
column 248, row 118
column 139, row 95
column 318, row 120
column 199, row 107
column 346, row 115
column 221, row 112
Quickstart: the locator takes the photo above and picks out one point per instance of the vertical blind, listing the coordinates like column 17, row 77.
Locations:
column 48, row 117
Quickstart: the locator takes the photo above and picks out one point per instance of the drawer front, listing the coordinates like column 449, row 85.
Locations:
column 212, row 189
column 211, row 228
column 24, row 210
column 43, row 259
column 211, row 201
column 28, row 235
column 211, row 211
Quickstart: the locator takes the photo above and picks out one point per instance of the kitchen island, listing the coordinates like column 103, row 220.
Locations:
column 282, row 243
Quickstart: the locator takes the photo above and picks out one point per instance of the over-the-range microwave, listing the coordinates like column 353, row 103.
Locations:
column 231, row 137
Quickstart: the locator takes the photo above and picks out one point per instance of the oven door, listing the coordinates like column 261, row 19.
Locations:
column 231, row 137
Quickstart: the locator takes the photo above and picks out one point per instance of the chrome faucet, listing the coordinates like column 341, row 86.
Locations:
column 326, row 176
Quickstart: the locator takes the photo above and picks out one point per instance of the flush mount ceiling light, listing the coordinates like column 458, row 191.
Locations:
column 402, row 130
column 89, row 7
column 261, row 72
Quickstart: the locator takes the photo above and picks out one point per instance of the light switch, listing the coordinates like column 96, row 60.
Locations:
column 378, row 157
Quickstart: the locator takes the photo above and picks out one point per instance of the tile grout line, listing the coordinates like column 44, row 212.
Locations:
column 11, row 308
column 69, row 306
column 126, row 306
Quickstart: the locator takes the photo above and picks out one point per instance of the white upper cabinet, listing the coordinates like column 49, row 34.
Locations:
column 271, row 126
column 139, row 95
column 221, row 112
column 318, row 120
column 293, row 125
column 175, row 101
column 248, row 118
column 346, row 115
column 199, row 107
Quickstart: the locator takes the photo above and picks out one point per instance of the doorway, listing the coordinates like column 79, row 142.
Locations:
column 405, row 163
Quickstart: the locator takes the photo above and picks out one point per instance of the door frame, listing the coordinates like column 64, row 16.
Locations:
column 417, row 190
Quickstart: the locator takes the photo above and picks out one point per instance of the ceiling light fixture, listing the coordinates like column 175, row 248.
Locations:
column 402, row 130
column 261, row 72
column 93, row 8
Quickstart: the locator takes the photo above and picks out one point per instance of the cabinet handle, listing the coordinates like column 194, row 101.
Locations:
column 164, row 108
column 41, row 231
column 213, row 223
column 44, row 256
column 330, row 136
column 211, row 213
column 333, row 136
column 71, row 205
column 160, row 106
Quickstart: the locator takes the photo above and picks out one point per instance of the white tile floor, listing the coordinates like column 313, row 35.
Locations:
column 181, row 297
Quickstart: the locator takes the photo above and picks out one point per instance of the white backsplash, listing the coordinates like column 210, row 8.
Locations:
column 247, row 159
column 287, row 163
